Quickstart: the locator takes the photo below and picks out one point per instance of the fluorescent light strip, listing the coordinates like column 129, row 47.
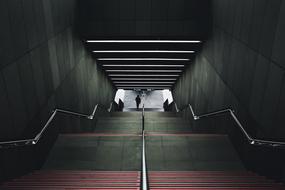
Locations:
column 140, row 87
column 117, row 65
column 143, row 85
column 144, row 82
column 141, row 51
column 141, row 59
column 138, row 75
column 143, row 41
column 143, row 79
column 146, row 71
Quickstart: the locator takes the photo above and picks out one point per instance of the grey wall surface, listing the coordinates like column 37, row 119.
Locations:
column 242, row 66
column 43, row 65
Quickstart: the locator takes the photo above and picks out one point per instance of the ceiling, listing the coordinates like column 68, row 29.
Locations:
column 144, row 44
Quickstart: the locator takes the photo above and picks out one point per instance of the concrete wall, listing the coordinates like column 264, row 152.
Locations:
column 242, row 66
column 43, row 65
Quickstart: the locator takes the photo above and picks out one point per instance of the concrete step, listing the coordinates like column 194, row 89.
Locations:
column 160, row 114
column 116, row 121
column 172, row 125
column 165, row 121
column 129, row 118
column 119, row 126
column 126, row 114
column 145, row 109
column 186, row 151
column 115, row 151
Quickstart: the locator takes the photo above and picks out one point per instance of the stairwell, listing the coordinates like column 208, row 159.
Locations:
column 110, row 157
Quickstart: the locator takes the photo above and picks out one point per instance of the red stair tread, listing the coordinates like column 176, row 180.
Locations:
column 214, row 185
column 80, row 175
column 130, row 180
column 85, row 172
column 203, row 176
column 80, row 180
column 206, row 180
column 219, row 188
column 73, row 188
column 60, row 179
column 209, row 181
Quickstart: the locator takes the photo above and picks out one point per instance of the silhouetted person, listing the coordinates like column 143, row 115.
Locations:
column 138, row 101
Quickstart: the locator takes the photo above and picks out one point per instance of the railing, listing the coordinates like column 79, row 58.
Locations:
column 35, row 140
column 111, row 107
column 144, row 182
column 251, row 140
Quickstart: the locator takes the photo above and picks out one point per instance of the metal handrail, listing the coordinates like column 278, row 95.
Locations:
column 35, row 140
column 176, row 108
column 251, row 140
column 111, row 106
column 144, row 185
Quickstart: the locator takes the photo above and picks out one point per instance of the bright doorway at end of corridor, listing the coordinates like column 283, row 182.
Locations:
column 151, row 99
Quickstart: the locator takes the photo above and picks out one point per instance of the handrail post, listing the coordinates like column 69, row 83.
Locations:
column 111, row 106
column 176, row 108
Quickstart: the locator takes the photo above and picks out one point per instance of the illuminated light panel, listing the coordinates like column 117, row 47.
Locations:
column 143, row 41
column 143, row 85
column 145, row 71
column 131, row 79
column 141, row 59
column 138, row 75
column 141, row 51
column 144, row 82
column 117, row 65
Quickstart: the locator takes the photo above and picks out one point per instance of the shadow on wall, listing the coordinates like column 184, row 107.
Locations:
column 45, row 66
column 241, row 66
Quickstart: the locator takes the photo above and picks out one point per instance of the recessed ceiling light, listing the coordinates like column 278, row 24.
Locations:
column 117, row 65
column 142, row 82
column 139, row 75
column 141, row 51
column 143, row 41
column 144, row 79
column 143, row 85
column 141, row 59
column 159, row 71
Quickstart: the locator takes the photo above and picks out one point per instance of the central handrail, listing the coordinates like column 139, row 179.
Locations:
column 144, row 185
column 251, row 140
column 35, row 140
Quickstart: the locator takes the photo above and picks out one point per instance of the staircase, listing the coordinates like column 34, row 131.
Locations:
column 111, row 157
